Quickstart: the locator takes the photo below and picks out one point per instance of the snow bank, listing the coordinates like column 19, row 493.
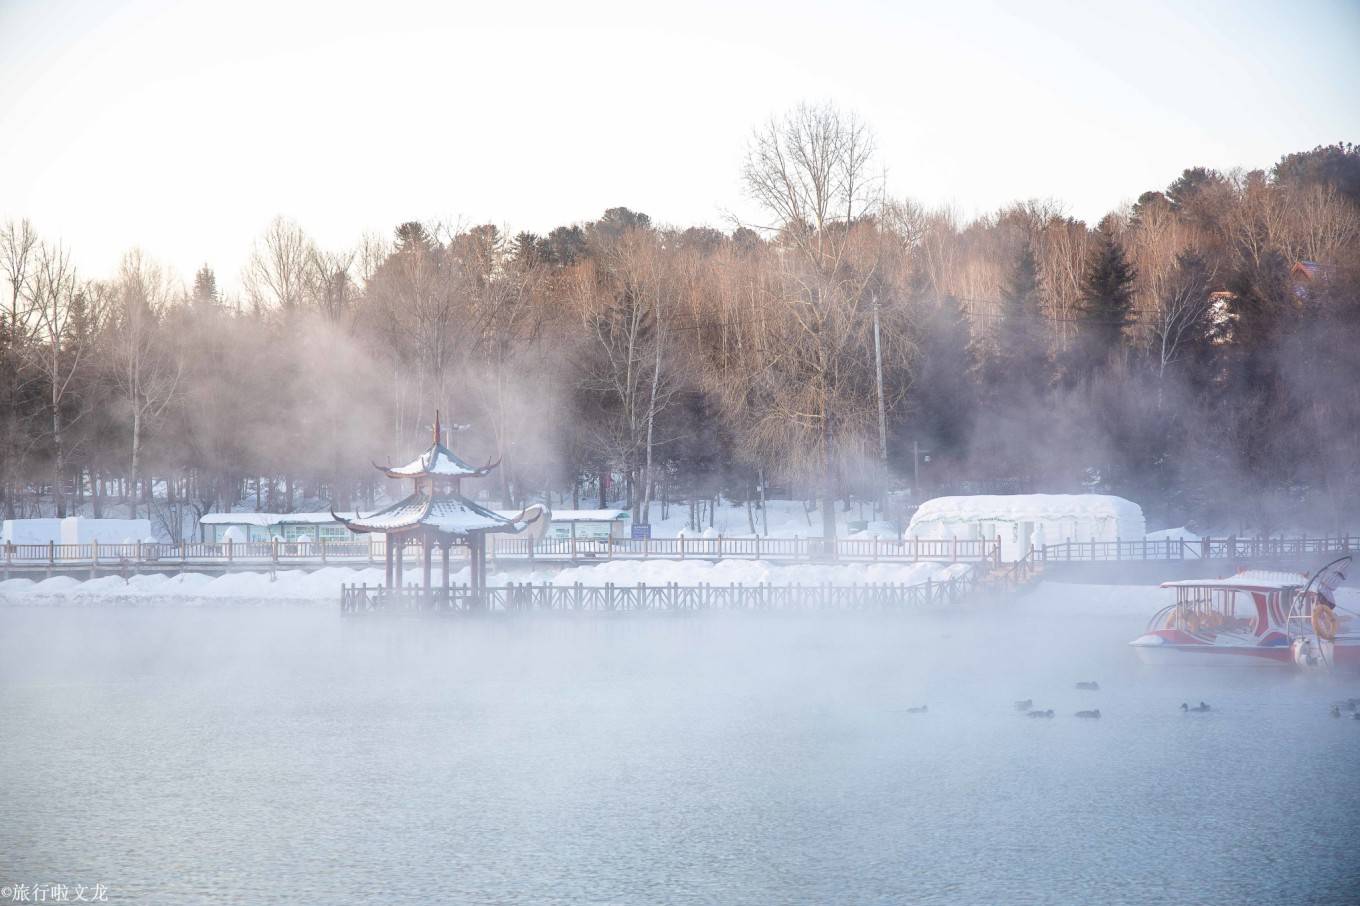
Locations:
column 323, row 586
column 752, row 572
column 786, row 519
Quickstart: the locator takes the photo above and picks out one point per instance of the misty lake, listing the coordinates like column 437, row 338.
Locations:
column 276, row 754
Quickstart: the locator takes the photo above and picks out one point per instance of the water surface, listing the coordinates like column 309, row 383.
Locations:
column 277, row 754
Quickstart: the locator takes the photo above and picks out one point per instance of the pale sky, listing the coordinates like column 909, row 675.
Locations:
column 183, row 128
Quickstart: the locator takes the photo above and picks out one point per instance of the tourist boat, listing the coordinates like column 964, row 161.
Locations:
column 1256, row 617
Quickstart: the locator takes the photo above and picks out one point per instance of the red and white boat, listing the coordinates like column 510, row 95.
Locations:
column 1239, row 620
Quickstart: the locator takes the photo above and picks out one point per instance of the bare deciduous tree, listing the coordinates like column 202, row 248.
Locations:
column 146, row 369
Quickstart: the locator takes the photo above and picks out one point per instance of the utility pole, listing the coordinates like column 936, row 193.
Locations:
column 878, row 374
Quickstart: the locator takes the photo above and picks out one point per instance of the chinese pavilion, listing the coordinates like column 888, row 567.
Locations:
column 437, row 516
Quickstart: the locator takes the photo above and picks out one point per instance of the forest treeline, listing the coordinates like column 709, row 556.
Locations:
column 1197, row 351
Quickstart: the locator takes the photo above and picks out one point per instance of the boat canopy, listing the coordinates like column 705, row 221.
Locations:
column 1251, row 580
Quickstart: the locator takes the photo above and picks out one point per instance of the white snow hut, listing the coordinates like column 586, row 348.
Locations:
column 1027, row 520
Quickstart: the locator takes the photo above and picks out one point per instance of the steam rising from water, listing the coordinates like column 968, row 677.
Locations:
column 282, row 754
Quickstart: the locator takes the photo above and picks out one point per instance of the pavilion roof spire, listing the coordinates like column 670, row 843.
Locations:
column 437, row 461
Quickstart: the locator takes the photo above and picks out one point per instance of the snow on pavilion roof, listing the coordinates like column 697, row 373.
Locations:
column 450, row 514
column 438, row 460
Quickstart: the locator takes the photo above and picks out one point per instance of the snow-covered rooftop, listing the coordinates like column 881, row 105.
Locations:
column 267, row 519
column 438, row 460
column 589, row 515
column 1027, row 508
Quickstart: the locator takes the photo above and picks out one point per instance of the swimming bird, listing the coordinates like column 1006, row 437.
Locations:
column 1201, row 707
column 1092, row 686
column 1040, row 714
column 1024, row 705
column 1336, row 711
column 1092, row 714
column 921, row 710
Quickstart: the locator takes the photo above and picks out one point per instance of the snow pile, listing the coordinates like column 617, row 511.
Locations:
column 30, row 531
column 1174, row 534
column 75, row 530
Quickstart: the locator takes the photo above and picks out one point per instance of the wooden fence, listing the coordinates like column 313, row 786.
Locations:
column 1230, row 549
column 361, row 551
column 670, row 598
column 283, row 554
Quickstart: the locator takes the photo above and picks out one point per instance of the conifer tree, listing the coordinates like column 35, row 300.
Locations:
column 1106, row 308
column 1020, row 365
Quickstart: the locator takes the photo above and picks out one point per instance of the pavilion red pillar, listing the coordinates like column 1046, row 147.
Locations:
column 388, row 574
column 474, row 568
column 444, row 550
column 427, row 549
column 398, row 556
column 481, row 568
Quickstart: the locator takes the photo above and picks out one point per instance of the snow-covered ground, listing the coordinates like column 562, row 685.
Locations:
column 323, row 586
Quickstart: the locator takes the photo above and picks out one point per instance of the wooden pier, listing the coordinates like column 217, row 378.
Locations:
column 361, row 600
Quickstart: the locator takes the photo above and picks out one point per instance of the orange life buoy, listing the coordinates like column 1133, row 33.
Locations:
column 1324, row 622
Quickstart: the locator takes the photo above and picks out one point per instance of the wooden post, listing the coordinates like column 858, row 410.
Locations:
column 757, row 545
column 274, row 550
column 321, row 542
column 387, row 552
column 720, row 545
column 229, row 550
column 94, row 558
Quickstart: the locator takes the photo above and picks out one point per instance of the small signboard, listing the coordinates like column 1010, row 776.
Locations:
column 641, row 530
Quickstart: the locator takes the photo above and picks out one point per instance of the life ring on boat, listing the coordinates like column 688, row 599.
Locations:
column 1324, row 622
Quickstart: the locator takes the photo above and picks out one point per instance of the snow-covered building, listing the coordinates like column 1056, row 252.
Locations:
column 1024, row 521
column 219, row 528
column 595, row 525
column 75, row 530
